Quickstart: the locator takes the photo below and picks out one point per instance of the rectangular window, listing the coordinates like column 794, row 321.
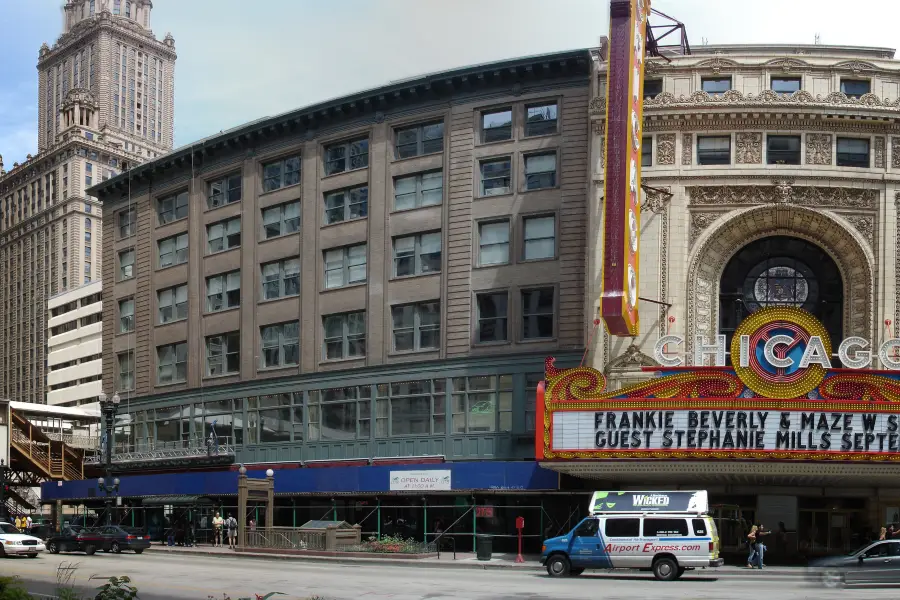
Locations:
column 223, row 291
column 652, row 88
column 345, row 335
column 282, row 219
column 411, row 408
column 419, row 140
column 347, row 156
column 496, row 176
column 224, row 191
column 423, row 189
column 482, row 404
column 493, row 315
column 417, row 326
column 715, row 85
column 714, row 150
column 540, row 119
column 647, row 151
column 172, row 208
column 281, row 278
column 540, row 171
column 281, row 173
column 345, row 205
column 417, row 254
column 171, row 363
column 852, row 152
column 126, row 264
column 341, row 413
column 540, row 237
column 126, row 315
column 531, row 384
column 280, row 344
column 854, row 88
column 785, row 86
column 127, row 222
column 173, row 250
column 223, row 353
column 223, row 235
column 125, row 377
column 345, row 266
column 493, row 243
column 623, row 528
column 172, row 304
column 783, row 149
column 496, row 125
column 665, row 527
column 537, row 313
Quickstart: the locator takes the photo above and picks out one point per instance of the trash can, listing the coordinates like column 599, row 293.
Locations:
column 484, row 546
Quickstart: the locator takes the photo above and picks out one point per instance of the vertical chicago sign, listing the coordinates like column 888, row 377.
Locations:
column 621, row 210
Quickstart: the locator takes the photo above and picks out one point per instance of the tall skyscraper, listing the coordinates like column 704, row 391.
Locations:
column 106, row 102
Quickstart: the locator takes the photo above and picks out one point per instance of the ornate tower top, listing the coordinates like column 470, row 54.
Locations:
column 135, row 11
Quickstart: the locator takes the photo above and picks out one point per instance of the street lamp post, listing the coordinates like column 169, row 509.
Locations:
column 3, row 471
column 109, row 407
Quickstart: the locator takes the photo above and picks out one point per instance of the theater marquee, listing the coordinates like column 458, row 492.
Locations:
column 799, row 408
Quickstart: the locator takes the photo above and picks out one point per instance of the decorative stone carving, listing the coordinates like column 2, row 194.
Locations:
column 787, row 65
column 687, row 149
column 602, row 154
column 748, row 148
column 895, row 152
column 818, row 148
column 857, row 66
column 656, row 199
column 879, row 152
column 717, row 244
column 831, row 197
column 597, row 106
column 770, row 98
column 699, row 222
column 865, row 225
column 717, row 63
column 665, row 149
column 598, row 127
column 630, row 360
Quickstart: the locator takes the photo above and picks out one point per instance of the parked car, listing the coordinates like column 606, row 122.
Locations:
column 876, row 563
column 70, row 539
column 113, row 538
column 15, row 543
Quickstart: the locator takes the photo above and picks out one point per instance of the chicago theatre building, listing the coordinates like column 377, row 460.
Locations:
column 361, row 295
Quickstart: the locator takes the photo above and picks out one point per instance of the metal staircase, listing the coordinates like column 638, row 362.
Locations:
column 52, row 459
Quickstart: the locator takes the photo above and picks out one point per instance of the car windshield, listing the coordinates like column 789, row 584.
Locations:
column 7, row 528
column 858, row 550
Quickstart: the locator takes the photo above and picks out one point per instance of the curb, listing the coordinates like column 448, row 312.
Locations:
column 728, row 573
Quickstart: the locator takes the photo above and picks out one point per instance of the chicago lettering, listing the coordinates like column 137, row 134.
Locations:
column 745, row 430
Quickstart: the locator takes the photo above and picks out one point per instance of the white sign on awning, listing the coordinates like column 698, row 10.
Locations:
column 431, row 480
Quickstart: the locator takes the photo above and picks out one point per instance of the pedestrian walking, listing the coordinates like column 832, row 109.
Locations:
column 252, row 525
column 882, row 534
column 761, row 532
column 751, row 542
column 28, row 522
column 231, row 525
column 218, row 522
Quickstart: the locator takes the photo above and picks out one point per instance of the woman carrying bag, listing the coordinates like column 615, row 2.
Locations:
column 751, row 541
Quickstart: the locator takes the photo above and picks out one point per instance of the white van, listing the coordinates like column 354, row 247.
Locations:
column 666, row 532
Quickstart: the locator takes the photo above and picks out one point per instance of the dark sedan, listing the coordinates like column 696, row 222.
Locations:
column 115, row 539
column 876, row 563
column 70, row 539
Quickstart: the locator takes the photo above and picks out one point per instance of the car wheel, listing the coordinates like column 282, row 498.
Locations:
column 558, row 566
column 576, row 571
column 89, row 549
column 138, row 550
column 665, row 569
column 115, row 548
column 52, row 548
column 833, row 579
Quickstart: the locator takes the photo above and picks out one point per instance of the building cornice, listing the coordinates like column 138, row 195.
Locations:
column 106, row 21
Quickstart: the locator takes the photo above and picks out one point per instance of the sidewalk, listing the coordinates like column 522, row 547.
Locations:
column 464, row 560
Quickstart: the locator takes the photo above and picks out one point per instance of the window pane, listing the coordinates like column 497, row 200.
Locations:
column 497, row 125
column 495, row 233
column 540, row 120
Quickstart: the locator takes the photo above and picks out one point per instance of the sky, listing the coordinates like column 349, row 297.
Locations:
column 241, row 60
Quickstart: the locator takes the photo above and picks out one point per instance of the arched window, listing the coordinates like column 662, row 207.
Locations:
column 117, row 7
column 93, row 6
column 128, row 9
column 782, row 271
column 87, row 224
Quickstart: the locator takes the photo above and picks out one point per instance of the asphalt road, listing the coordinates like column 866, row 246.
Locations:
column 166, row 577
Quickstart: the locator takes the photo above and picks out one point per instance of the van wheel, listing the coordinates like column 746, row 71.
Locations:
column 576, row 571
column 665, row 569
column 558, row 566
column 681, row 571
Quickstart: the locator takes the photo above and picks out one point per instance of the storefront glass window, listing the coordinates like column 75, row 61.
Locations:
column 482, row 404
column 410, row 408
column 339, row 413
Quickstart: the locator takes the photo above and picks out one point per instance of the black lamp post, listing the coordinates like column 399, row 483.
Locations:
column 4, row 469
column 109, row 407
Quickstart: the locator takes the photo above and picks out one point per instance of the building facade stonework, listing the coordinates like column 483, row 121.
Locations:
column 787, row 153
column 106, row 91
